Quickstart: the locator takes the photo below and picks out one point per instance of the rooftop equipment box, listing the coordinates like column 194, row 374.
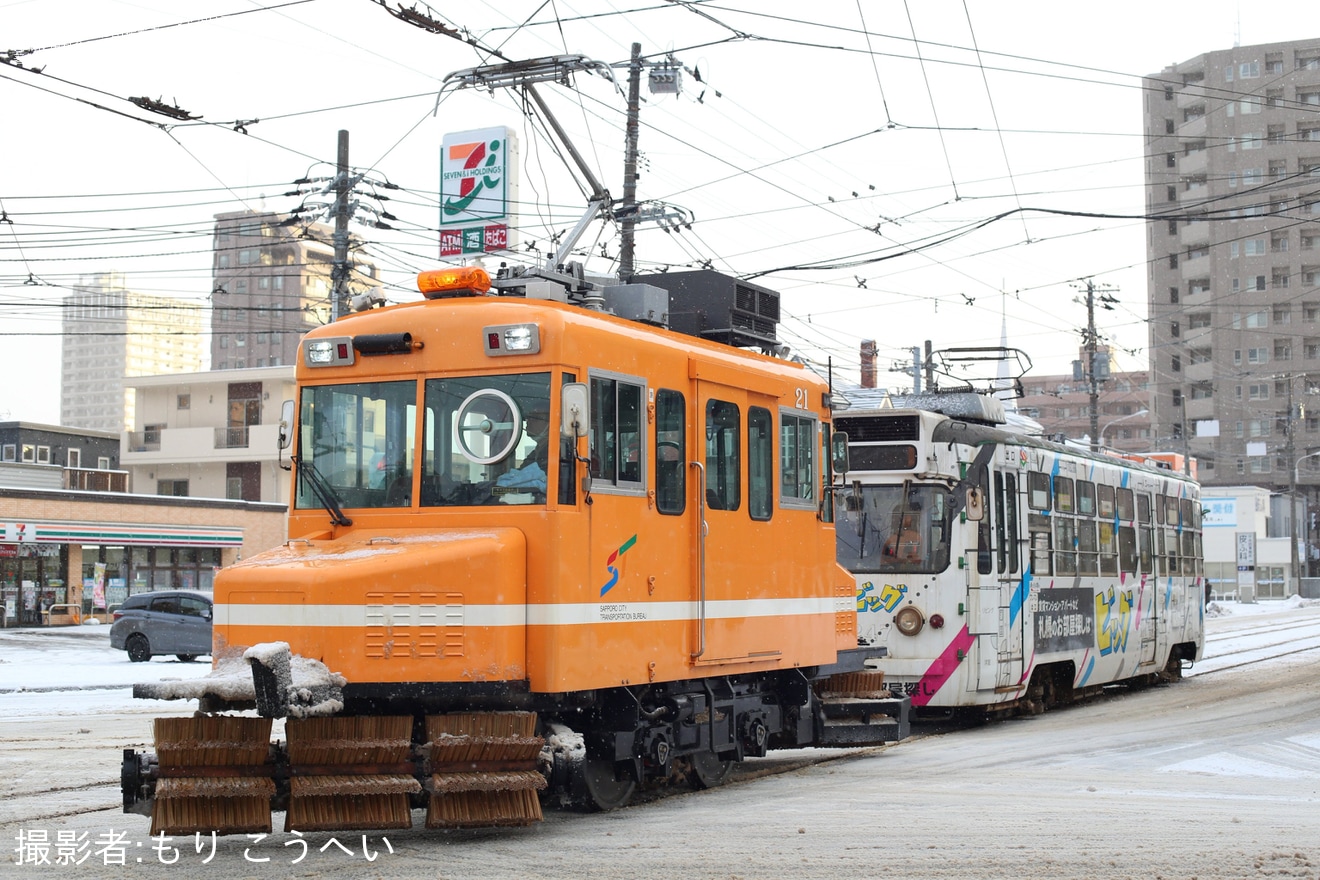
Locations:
column 719, row 307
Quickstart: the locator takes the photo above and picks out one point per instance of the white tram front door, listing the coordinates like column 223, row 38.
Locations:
column 995, row 613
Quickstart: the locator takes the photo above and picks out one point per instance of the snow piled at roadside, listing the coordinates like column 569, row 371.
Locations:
column 1225, row 609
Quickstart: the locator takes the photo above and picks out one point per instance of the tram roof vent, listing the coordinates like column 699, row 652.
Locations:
column 719, row 307
column 965, row 405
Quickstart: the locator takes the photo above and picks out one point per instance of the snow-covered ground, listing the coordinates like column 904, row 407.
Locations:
column 66, row 670
column 1216, row 778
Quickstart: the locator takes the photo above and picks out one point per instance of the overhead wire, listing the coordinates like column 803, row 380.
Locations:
column 741, row 34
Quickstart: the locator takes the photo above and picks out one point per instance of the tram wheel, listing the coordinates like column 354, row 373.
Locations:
column 1172, row 669
column 597, row 787
column 708, row 770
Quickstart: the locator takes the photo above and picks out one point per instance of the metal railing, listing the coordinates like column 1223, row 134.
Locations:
column 231, row 438
column 73, row 610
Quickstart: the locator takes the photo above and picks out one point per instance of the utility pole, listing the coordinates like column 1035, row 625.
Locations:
column 1090, row 365
column 930, row 367
column 1294, row 579
column 1093, row 381
column 628, row 209
column 916, row 369
column 342, row 269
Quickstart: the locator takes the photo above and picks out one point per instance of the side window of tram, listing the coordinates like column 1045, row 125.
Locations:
column 568, row 464
column 616, row 432
column 984, row 560
column 1011, row 522
column 1000, row 543
column 670, row 452
column 1088, row 546
column 1171, row 551
column 1105, row 521
column 723, row 464
column 1145, row 534
column 1065, row 528
column 760, row 463
column 1038, row 527
column 1038, row 524
column 1038, row 490
column 798, row 475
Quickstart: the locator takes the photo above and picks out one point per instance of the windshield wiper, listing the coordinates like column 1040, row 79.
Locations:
column 321, row 489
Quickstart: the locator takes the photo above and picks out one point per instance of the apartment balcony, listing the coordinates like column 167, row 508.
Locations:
column 1190, row 96
column 1194, row 163
column 90, row 480
column 1193, row 128
column 1193, row 234
column 1200, row 409
column 183, row 445
column 1199, row 372
column 1197, row 267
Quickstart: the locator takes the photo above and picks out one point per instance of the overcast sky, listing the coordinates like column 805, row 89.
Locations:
column 889, row 167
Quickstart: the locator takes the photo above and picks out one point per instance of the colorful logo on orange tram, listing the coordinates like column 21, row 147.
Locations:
column 609, row 564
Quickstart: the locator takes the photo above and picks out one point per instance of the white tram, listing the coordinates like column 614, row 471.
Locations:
column 1002, row 571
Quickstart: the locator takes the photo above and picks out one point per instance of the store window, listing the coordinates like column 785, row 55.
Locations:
column 31, row 581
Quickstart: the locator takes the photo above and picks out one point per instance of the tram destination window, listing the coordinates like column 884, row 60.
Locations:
column 882, row 458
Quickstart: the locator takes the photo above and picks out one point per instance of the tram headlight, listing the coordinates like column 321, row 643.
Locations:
column 518, row 338
column 909, row 620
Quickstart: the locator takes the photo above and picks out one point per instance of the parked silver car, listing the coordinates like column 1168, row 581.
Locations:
column 174, row 622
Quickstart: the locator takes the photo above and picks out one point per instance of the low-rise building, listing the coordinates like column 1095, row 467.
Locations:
column 75, row 553
column 209, row 435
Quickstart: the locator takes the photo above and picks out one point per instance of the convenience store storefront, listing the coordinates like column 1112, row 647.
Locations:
column 79, row 566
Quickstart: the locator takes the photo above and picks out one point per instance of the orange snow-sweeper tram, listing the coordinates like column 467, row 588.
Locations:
column 539, row 549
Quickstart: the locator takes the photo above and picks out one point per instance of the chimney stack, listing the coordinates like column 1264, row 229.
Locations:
column 868, row 354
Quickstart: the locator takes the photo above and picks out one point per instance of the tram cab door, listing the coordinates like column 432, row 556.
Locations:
column 994, row 566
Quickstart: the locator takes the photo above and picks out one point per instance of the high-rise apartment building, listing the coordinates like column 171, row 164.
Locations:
column 272, row 285
column 1232, row 151
column 111, row 333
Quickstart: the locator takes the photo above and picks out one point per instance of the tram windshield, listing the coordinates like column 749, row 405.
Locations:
column 355, row 446
column 899, row 528
column 484, row 440
column 488, row 440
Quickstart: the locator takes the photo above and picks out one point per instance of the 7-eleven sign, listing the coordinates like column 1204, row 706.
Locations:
column 478, row 188
column 19, row 533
